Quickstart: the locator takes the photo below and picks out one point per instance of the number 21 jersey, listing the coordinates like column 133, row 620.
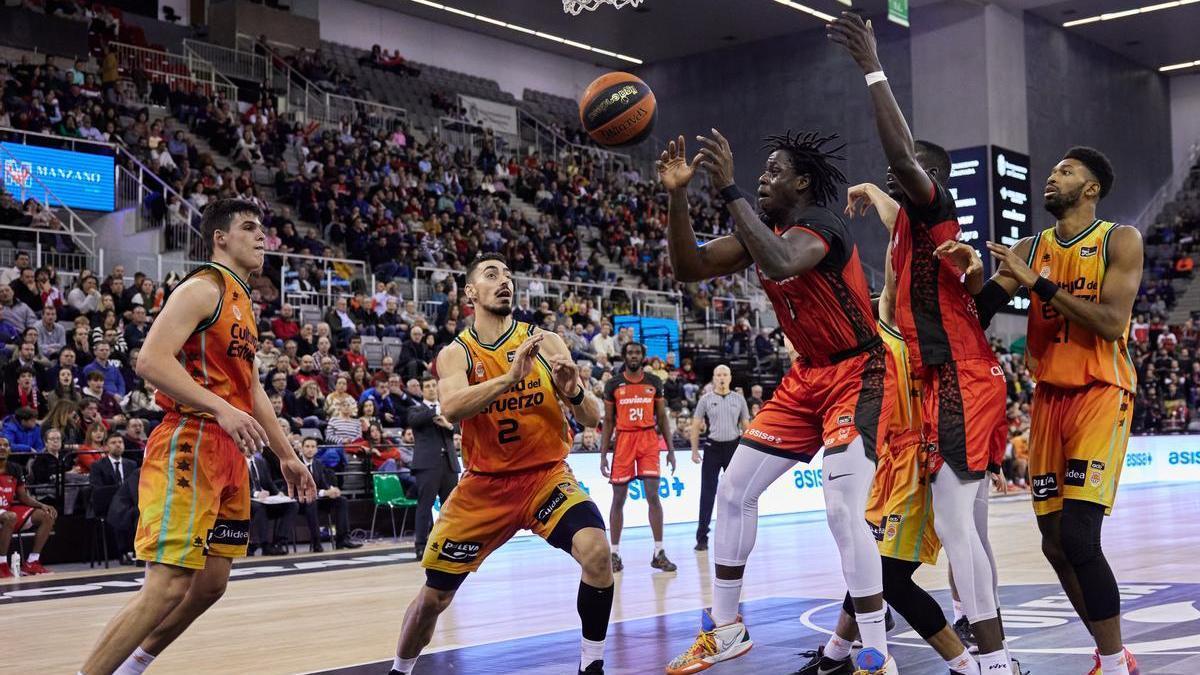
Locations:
column 523, row 428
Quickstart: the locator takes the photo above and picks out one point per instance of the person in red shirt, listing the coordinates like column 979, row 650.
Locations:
column 840, row 392
column 284, row 326
column 354, row 355
column 19, row 511
column 963, row 387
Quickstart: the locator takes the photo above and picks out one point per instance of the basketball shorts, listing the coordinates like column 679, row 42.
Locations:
column 964, row 406
column 636, row 456
column 1077, row 441
column 827, row 406
column 900, row 506
column 486, row 510
column 24, row 516
column 193, row 494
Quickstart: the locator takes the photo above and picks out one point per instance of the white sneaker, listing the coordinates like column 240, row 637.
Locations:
column 711, row 647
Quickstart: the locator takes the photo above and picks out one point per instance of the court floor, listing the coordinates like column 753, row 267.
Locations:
column 341, row 613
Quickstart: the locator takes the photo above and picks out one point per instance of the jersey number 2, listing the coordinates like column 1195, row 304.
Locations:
column 508, row 432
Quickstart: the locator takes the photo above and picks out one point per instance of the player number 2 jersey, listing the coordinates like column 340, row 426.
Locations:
column 1062, row 353
column 219, row 354
column 524, row 427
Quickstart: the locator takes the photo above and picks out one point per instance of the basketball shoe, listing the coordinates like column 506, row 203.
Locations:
column 617, row 564
column 660, row 562
column 871, row 661
column 1131, row 663
column 819, row 664
column 716, row 644
column 32, row 568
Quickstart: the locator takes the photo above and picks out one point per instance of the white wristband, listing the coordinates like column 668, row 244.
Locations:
column 876, row 77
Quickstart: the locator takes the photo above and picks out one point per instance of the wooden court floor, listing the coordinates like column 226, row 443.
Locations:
column 318, row 614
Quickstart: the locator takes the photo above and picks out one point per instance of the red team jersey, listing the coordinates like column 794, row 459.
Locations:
column 633, row 400
column 934, row 312
column 825, row 311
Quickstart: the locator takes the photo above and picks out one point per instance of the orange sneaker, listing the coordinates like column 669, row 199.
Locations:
column 720, row 643
column 32, row 568
column 1130, row 663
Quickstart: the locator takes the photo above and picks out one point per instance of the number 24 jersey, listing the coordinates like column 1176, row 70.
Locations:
column 523, row 428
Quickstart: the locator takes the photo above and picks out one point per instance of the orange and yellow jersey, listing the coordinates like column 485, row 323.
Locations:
column 524, row 427
column 906, row 416
column 219, row 354
column 1059, row 352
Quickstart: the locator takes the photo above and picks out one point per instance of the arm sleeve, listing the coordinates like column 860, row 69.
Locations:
column 992, row 297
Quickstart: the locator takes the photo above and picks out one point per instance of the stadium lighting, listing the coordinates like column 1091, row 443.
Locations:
column 809, row 10
column 1129, row 12
column 1180, row 66
column 554, row 38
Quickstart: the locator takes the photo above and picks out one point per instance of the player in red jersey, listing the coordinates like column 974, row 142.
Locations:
column 839, row 392
column 963, row 388
column 20, row 511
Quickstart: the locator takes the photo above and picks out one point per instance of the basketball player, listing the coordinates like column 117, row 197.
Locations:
column 838, row 394
column 194, row 491
column 502, row 380
column 900, row 513
column 636, row 413
column 1083, row 274
column 963, row 391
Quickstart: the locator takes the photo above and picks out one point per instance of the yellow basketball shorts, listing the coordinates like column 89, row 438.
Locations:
column 900, row 505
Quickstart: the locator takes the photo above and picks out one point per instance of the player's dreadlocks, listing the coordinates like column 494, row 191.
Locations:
column 809, row 157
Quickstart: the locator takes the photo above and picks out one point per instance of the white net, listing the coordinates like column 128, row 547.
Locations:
column 575, row 7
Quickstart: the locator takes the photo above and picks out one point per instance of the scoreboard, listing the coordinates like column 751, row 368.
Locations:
column 991, row 190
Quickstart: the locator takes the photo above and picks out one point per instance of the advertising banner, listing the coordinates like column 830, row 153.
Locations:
column 79, row 180
column 498, row 117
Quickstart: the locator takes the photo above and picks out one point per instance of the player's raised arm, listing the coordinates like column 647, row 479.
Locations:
column 996, row 292
column 1108, row 317
column 461, row 399
column 689, row 260
column 779, row 257
column 863, row 197
column 190, row 305
column 858, row 37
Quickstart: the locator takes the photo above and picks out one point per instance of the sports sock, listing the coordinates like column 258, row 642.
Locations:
column 837, row 649
column 34, row 557
column 1007, row 653
column 616, row 549
column 590, row 650
column 136, row 664
column 963, row 663
column 657, row 547
column 1115, row 664
column 594, row 606
column 726, row 595
column 997, row 663
column 958, row 611
column 872, row 630
column 403, row 665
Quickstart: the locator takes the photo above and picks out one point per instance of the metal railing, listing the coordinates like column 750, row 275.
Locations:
column 158, row 205
column 540, row 135
column 231, row 62
column 172, row 69
column 1169, row 189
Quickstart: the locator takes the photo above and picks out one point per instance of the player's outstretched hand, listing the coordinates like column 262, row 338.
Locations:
column 858, row 37
column 242, row 428
column 524, row 357
column 961, row 255
column 858, row 200
column 673, row 168
column 299, row 480
column 566, row 375
column 1011, row 265
column 717, row 159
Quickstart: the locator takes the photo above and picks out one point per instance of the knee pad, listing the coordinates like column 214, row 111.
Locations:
column 1080, row 531
column 444, row 581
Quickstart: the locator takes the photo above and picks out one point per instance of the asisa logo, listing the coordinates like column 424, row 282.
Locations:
column 1184, row 457
column 807, row 478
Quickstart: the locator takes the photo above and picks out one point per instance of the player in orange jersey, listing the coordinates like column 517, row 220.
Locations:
column 503, row 380
column 194, row 494
column 635, row 414
column 1083, row 274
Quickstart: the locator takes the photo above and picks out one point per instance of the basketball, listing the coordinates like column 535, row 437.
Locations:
column 618, row 109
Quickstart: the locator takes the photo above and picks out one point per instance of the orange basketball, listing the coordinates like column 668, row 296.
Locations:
column 618, row 109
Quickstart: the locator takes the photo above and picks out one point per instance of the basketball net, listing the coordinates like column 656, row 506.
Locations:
column 575, row 7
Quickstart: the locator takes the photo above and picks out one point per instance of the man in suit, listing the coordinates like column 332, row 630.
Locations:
column 106, row 477
column 123, row 514
column 329, row 495
column 435, row 459
column 272, row 541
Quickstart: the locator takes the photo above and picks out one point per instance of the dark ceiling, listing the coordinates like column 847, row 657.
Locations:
column 664, row 29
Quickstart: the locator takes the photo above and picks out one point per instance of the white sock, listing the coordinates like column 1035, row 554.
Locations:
column 872, row 630
column 590, row 650
column 657, row 547
column 136, row 664
column 1114, row 664
column 958, row 610
column 963, row 663
column 404, row 665
column 616, row 549
column 726, row 594
column 837, row 649
column 997, row 663
column 1007, row 653
column 34, row 557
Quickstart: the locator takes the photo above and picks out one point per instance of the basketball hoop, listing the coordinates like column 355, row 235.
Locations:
column 575, row 7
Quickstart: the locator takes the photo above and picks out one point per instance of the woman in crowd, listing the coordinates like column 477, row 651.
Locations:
column 308, row 406
column 92, row 447
column 64, row 390
column 339, row 395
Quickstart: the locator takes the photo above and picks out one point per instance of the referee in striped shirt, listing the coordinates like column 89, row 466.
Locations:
column 725, row 415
